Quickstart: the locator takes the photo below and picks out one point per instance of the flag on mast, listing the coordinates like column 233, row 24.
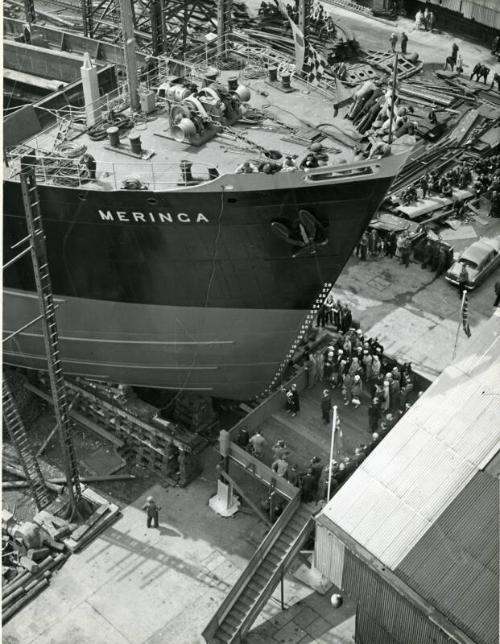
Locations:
column 298, row 36
column 465, row 314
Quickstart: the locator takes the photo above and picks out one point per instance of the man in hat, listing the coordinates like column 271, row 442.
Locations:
column 308, row 486
column 374, row 414
column 326, row 405
column 316, row 468
column 463, row 280
column 280, row 449
column 152, row 511
column 356, row 391
column 404, row 43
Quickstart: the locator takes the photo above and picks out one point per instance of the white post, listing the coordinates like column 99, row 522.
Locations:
column 332, row 442
column 90, row 90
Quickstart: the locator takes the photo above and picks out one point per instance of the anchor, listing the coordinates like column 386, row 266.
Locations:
column 306, row 233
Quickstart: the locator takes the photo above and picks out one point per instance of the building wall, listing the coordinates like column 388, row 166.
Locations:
column 379, row 602
column 383, row 615
column 369, row 631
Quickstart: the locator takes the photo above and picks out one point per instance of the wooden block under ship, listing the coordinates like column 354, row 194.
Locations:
column 183, row 252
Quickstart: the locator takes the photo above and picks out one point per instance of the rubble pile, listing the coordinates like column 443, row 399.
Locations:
column 33, row 550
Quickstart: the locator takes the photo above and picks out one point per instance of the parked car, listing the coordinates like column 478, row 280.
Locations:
column 480, row 259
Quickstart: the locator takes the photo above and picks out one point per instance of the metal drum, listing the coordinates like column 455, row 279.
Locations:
column 184, row 130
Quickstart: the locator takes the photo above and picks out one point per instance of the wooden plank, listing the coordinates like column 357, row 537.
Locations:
column 80, row 531
column 461, row 130
column 104, row 522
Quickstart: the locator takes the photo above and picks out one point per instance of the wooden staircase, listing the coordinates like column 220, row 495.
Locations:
column 253, row 589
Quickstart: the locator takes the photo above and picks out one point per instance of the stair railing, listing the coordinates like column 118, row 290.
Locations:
column 258, row 557
column 275, row 578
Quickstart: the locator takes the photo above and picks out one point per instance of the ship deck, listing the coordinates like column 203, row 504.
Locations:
column 285, row 128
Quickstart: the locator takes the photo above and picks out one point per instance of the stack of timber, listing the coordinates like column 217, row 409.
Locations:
column 159, row 446
column 196, row 413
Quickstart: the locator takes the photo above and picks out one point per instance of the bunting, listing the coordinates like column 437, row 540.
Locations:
column 314, row 65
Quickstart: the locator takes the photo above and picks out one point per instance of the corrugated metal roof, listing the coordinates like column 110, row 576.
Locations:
column 455, row 564
column 403, row 487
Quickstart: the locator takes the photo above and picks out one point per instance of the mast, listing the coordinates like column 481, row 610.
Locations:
column 127, row 22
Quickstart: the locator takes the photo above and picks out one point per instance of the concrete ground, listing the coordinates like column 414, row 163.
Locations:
column 415, row 314
column 136, row 586
column 133, row 585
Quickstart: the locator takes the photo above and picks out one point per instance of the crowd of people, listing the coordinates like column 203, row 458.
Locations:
column 425, row 20
column 356, row 366
column 372, row 245
column 481, row 176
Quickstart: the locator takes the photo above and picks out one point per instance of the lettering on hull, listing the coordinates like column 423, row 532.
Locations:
column 137, row 217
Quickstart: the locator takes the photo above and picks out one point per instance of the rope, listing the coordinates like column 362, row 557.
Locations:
column 98, row 132
column 70, row 150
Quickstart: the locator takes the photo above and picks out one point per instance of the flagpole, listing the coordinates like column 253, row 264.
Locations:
column 332, row 442
column 460, row 319
column 393, row 97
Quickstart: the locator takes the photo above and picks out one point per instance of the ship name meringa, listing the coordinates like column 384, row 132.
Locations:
column 125, row 216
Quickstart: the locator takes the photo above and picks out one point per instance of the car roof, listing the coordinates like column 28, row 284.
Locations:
column 480, row 249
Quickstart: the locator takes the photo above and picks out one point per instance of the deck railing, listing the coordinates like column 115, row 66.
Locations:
column 63, row 171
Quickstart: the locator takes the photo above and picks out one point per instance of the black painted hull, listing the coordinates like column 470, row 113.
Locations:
column 179, row 289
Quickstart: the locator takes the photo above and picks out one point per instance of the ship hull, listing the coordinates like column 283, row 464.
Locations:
column 183, row 289
column 231, row 353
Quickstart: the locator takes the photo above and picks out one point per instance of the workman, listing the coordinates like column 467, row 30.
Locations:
column 463, row 280
column 476, row 71
column 326, row 405
column 380, row 150
column 90, row 163
column 289, row 165
column 484, row 73
column 246, row 168
column 309, row 162
column 496, row 79
column 494, row 204
column 320, row 153
column 328, row 29
column 152, row 511
column 270, row 168
column 280, row 467
column 257, row 441
column 404, row 43
column 360, row 97
column 372, row 99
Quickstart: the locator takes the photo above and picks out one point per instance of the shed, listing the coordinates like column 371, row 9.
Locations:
column 413, row 535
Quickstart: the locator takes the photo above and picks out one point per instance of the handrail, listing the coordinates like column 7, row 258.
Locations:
column 262, row 471
column 258, row 557
column 273, row 580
